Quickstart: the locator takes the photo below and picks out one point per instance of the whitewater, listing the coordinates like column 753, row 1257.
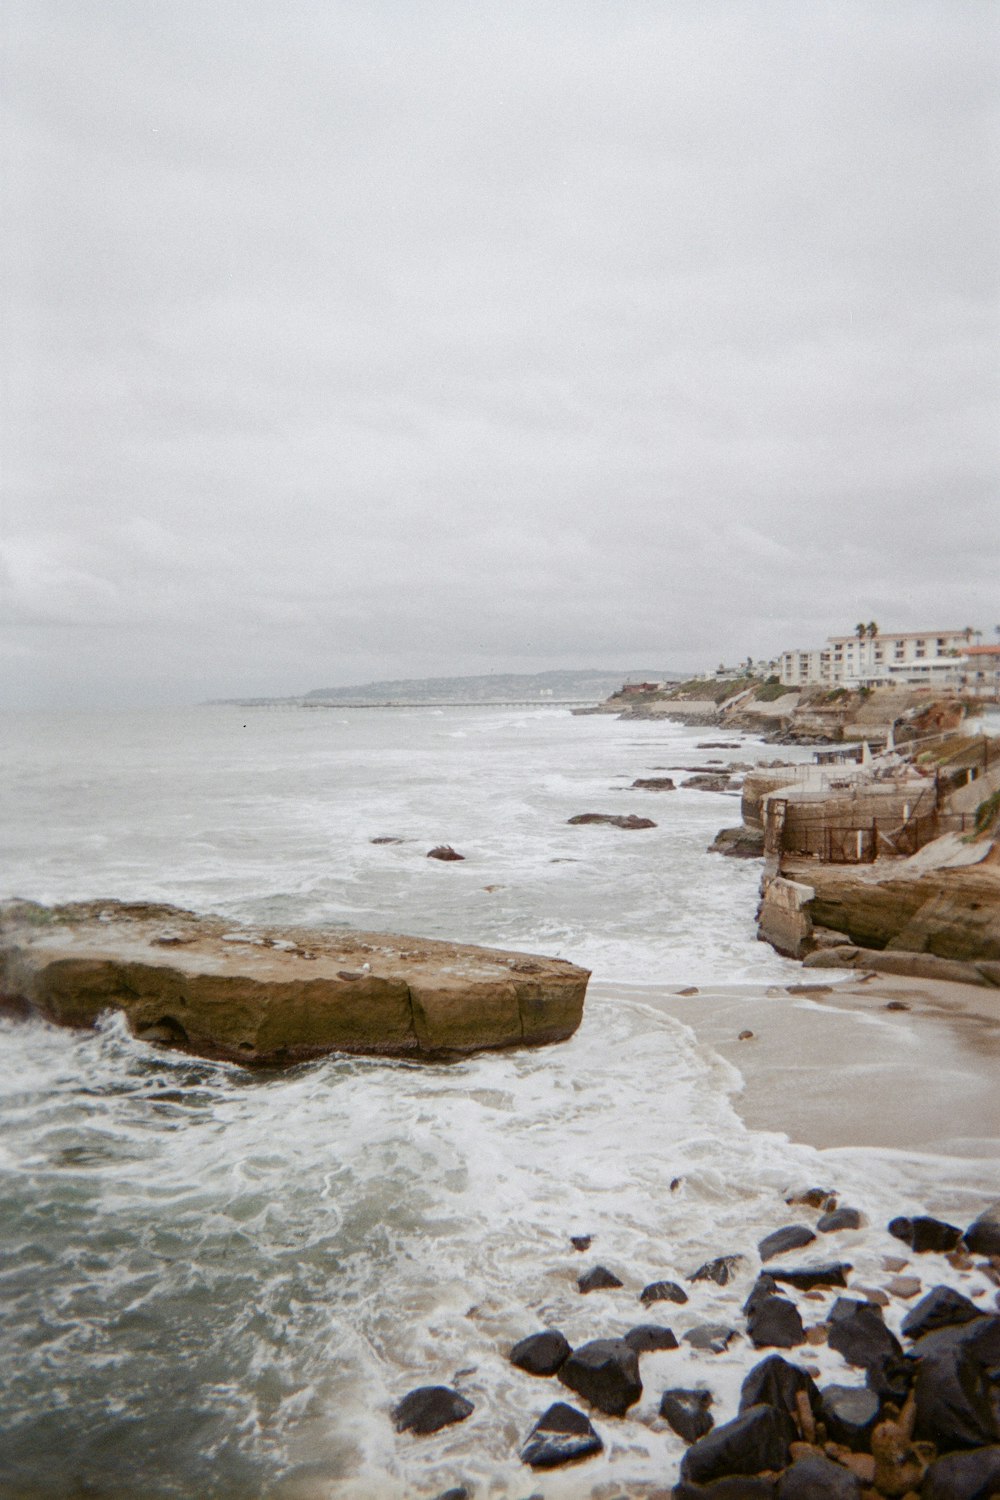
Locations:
column 217, row 1283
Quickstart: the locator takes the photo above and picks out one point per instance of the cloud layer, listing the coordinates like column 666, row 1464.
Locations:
column 384, row 340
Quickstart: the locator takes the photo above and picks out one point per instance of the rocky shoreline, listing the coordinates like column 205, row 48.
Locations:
column 913, row 1412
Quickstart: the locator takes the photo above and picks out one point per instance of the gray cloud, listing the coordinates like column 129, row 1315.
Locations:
column 382, row 339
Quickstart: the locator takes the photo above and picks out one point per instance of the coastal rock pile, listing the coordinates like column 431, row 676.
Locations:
column 923, row 1425
column 273, row 997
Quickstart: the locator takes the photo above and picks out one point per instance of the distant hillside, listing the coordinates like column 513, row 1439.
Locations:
column 583, row 686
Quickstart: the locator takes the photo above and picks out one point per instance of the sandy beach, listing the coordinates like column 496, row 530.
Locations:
column 842, row 1063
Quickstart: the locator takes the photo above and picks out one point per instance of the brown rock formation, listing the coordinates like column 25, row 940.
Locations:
column 258, row 996
column 950, row 913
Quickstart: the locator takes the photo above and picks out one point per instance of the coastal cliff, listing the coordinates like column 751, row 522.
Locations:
column 202, row 984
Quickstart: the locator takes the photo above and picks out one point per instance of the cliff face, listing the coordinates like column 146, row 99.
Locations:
column 951, row 913
column 254, row 997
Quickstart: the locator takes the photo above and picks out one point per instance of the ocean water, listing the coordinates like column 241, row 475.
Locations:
column 218, row 1283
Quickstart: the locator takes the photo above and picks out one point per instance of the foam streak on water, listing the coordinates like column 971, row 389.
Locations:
column 218, row 1283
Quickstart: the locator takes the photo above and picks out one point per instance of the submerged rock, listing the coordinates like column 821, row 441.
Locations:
column 757, row 1439
column 615, row 820
column 606, row 1373
column 792, row 1237
column 924, row 1233
column 541, row 1353
column 687, row 1412
column 562, row 1436
column 429, row 1408
column 270, row 996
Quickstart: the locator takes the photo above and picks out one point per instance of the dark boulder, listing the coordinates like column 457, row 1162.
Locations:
column 776, row 1382
column 648, row 1337
column 562, row 1436
column 849, row 1412
column 839, row 1218
column 663, row 1291
column 958, row 1384
column 615, row 820
column 757, row 1439
column 734, row 1487
column 721, row 1270
column 774, row 1323
column 765, row 1286
column 815, row 1197
column 445, row 852
column 983, row 1236
column 857, row 1331
column 792, row 1237
column 687, row 1412
column 597, row 1279
column 817, row 1478
column 804, row 1278
column 541, row 1353
column 581, row 1241
column 604, row 1372
column 973, row 1475
column 713, row 1337
column 429, row 1408
column 738, row 843
column 890, row 1377
column 924, row 1233
column 941, row 1308
column 654, row 784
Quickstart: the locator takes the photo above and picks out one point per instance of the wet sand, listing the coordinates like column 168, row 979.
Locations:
column 829, row 1064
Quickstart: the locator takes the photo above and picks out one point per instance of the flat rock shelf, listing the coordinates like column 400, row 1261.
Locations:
column 268, row 997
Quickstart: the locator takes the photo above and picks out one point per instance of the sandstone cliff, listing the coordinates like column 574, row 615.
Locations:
column 267, row 996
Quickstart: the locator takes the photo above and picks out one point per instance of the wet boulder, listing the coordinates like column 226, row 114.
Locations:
column 444, row 852
column 839, row 1218
column 774, row 1323
column 654, row 784
column 733, row 1487
column 804, row 1278
column 756, row 1440
column 562, row 1435
column 721, row 1270
column 941, row 1308
column 792, row 1237
column 857, row 1331
column 816, row 1478
column 663, row 1291
column 429, row 1408
column 849, row 1413
column 714, row 1338
column 688, row 1413
column 649, row 1337
column 776, row 1382
column 598, row 1279
column 983, row 1236
column 972, row 1475
column 613, row 820
column 957, row 1384
column 925, row 1233
column 541, row 1353
column 604, row 1372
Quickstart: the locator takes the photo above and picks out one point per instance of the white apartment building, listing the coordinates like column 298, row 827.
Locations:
column 910, row 657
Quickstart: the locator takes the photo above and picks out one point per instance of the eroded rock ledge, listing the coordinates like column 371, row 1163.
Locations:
column 267, row 996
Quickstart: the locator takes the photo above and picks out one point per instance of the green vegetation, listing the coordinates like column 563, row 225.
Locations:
column 772, row 689
column 987, row 813
column 717, row 689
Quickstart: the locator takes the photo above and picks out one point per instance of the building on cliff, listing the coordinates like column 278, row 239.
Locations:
column 872, row 658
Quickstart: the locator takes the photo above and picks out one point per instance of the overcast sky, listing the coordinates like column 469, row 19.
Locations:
column 354, row 340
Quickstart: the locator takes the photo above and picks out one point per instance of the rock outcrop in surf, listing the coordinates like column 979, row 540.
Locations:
column 264, row 996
